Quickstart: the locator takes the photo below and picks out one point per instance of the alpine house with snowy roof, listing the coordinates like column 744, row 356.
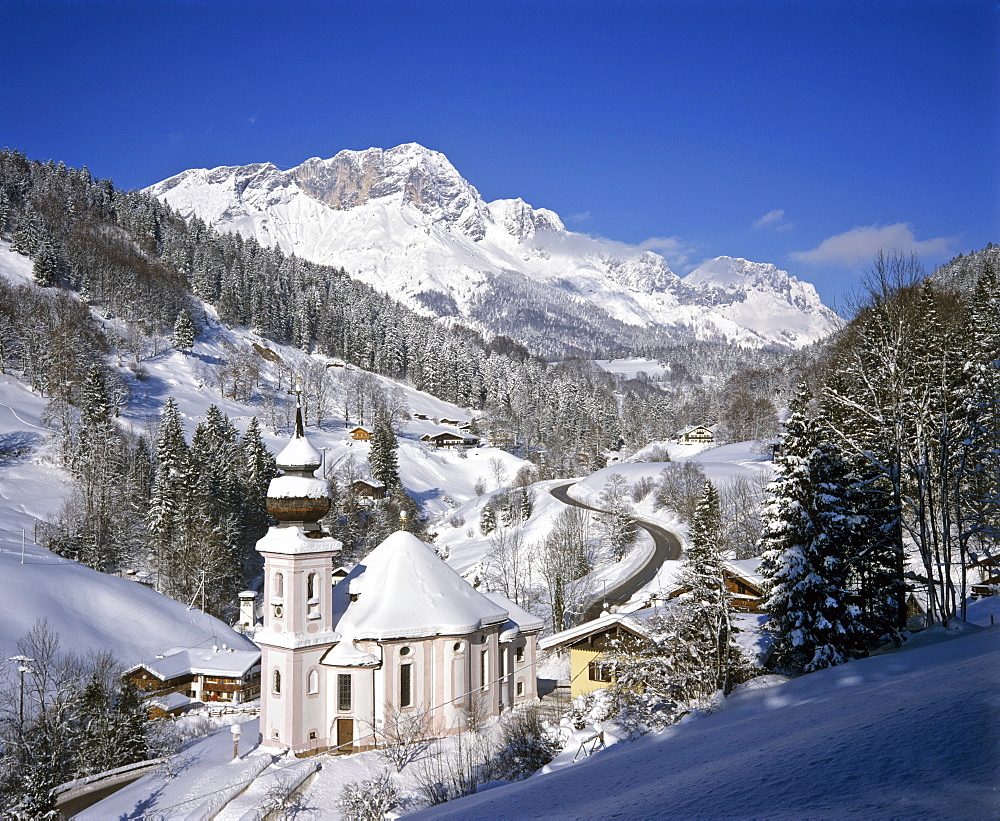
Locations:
column 403, row 635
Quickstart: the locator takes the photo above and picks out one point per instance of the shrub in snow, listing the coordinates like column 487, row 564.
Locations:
column 631, row 714
column 526, row 745
column 403, row 738
column 368, row 800
column 642, row 488
column 462, row 771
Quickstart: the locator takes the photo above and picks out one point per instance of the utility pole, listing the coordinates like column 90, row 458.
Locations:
column 22, row 668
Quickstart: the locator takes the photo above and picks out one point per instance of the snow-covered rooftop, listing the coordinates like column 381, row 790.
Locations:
column 404, row 590
column 211, row 661
column 299, row 453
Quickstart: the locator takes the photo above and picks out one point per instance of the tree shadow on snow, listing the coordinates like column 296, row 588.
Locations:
column 16, row 444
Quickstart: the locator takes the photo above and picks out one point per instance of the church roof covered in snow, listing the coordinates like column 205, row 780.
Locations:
column 525, row 622
column 402, row 589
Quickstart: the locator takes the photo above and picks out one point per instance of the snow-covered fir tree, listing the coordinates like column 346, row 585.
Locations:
column 707, row 599
column 382, row 459
column 807, row 528
column 184, row 331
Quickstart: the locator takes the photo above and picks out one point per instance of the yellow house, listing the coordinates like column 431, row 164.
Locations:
column 587, row 644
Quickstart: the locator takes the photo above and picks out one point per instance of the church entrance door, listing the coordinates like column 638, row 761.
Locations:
column 345, row 734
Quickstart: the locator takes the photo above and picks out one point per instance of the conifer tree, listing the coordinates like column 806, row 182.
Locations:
column 382, row 457
column 45, row 267
column 488, row 518
column 807, row 529
column 184, row 332
column 708, row 628
column 258, row 468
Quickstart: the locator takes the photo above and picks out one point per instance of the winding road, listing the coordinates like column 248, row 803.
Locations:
column 666, row 545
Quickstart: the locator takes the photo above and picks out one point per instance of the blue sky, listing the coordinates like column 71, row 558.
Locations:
column 803, row 134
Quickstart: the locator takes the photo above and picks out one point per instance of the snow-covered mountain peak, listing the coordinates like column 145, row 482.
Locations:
column 408, row 173
column 406, row 222
column 522, row 221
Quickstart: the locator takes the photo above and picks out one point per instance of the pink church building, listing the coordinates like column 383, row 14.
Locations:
column 402, row 636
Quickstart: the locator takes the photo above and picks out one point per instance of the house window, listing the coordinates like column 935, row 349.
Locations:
column 520, row 688
column 519, row 654
column 599, row 671
column 276, row 682
column 313, row 682
column 406, row 685
column 484, row 669
column 344, row 692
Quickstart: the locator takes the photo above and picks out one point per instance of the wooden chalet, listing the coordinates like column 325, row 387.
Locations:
column 988, row 572
column 743, row 581
column 360, row 434
column 176, row 680
column 448, row 439
column 587, row 644
column 368, row 489
column 745, row 584
column 696, row 435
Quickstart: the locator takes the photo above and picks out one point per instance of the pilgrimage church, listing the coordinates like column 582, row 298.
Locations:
column 403, row 636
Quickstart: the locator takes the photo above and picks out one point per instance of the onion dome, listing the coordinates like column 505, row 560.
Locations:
column 297, row 497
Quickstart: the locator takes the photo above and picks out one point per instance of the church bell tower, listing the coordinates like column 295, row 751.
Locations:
column 298, row 602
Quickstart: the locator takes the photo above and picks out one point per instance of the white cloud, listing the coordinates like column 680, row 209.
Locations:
column 673, row 249
column 861, row 243
column 773, row 219
column 582, row 217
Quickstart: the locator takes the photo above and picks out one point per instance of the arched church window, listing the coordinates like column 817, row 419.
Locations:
column 276, row 683
column 312, row 596
column 313, row 682
column 279, row 585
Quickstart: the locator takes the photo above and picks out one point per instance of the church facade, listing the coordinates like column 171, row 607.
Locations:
column 402, row 638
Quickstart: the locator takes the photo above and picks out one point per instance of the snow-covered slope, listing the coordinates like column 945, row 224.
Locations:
column 92, row 610
column 911, row 734
column 406, row 222
column 87, row 609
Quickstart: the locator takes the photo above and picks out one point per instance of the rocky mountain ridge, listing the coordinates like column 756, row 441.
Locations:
column 406, row 222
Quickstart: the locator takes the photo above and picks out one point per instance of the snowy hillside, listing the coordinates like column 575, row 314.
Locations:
column 909, row 734
column 88, row 610
column 405, row 221
column 91, row 610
